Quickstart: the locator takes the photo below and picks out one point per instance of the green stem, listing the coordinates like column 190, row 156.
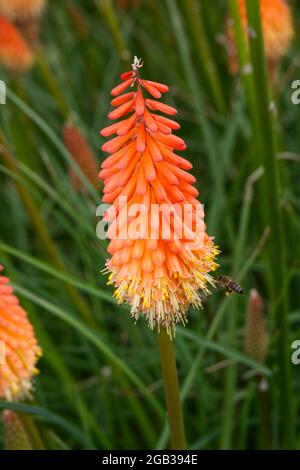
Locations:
column 32, row 431
column 108, row 11
column 215, row 324
column 265, row 418
column 193, row 86
column 53, row 87
column 146, row 423
column 172, row 393
column 230, row 378
column 266, row 138
column 244, row 59
column 245, row 414
column 23, row 141
column 56, row 362
column 191, row 8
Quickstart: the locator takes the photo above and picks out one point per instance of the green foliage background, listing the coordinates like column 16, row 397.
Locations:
column 100, row 384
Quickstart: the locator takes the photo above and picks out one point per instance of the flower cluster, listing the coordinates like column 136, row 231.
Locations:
column 17, row 10
column 15, row 53
column 20, row 346
column 19, row 25
column 158, row 277
column 277, row 28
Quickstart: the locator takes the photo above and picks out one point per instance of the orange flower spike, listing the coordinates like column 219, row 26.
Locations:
column 15, row 435
column 127, row 4
column 22, row 9
column 159, row 276
column 21, row 350
column 278, row 32
column 15, row 53
column 82, row 154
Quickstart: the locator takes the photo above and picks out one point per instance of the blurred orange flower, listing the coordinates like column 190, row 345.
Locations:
column 277, row 28
column 127, row 4
column 22, row 9
column 158, row 276
column 21, row 350
column 15, row 53
column 83, row 155
column 15, row 436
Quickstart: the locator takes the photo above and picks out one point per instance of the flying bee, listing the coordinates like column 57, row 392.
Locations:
column 229, row 285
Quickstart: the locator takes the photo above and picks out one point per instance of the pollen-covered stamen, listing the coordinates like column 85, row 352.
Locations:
column 137, row 64
column 166, row 301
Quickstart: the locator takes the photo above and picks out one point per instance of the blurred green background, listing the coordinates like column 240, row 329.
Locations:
column 100, row 384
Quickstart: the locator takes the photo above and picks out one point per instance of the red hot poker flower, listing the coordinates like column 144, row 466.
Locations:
column 83, row 155
column 158, row 275
column 15, row 53
column 278, row 32
column 21, row 350
column 22, row 9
